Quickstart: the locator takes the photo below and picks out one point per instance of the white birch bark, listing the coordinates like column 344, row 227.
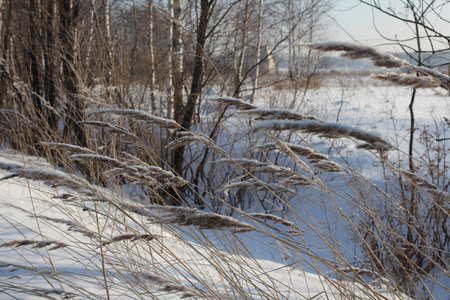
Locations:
column 177, row 59
column 152, row 56
column 258, row 49
column 241, row 59
column 170, row 57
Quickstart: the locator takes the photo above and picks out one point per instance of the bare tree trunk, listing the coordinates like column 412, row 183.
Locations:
column 413, row 95
column 33, row 55
column 258, row 57
column 50, row 65
column 92, row 24
column 109, row 70
column 1, row 17
column 5, row 78
column 241, row 58
column 177, row 60
column 291, row 47
column 75, row 106
column 196, row 86
column 170, row 110
column 258, row 49
column 152, row 56
column 2, row 57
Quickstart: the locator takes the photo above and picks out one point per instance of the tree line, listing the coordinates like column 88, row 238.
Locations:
column 55, row 51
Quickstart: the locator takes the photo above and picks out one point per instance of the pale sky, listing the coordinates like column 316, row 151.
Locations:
column 357, row 21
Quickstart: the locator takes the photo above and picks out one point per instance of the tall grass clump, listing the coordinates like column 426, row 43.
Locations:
column 96, row 223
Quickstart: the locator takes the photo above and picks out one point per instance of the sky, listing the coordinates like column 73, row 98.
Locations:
column 353, row 20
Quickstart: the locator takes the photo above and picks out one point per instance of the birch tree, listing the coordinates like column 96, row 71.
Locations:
column 258, row 49
column 177, row 59
column 151, row 55
column 2, row 55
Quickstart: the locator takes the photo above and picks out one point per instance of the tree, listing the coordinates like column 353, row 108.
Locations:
column 152, row 55
column 258, row 47
column 50, row 64
column 75, row 106
column 176, row 68
column 3, row 49
column 33, row 54
column 206, row 7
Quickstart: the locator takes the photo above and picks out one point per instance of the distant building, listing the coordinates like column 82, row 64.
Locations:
column 226, row 63
column 267, row 66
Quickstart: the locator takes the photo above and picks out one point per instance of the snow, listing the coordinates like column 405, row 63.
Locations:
column 167, row 260
column 31, row 212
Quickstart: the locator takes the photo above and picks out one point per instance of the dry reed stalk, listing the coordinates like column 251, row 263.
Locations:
column 52, row 178
column 183, row 138
column 417, row 180
column 9, row 176
column 35, row 244
column 358, row 271
column 112, row 128
column 138, row 115
column 319, row 160
column 297, row 180
column 129, row 237
column 98, row 158
column 257, row 166
column 272, row 218
column 442, row 78
column 168, row 285
column 72, row 226
column 279, row 114
column 142, row 174
column 297, row 149
column 47, row 292
column 258, row 186
column 68, row 147
column 184, row 216
column 238, row 103
column 20, row 116
column 328, row 130
column 328, row 166
column 408, row 80
column 441, row 197
column 354, row 51
column 28, row 268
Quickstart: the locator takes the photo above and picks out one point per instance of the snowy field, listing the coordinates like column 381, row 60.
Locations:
column 91, row 243
column 40, row 260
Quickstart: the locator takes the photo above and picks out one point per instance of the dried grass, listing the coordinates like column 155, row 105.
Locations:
column 409, row 80
column 52, row 245
column 328, row 130
column 278, row 114
column 272, row 218
column 127, row 240
column 138, row 115
column 432, row 77
column 230, row 101
column 183, row 216
column 354, row 51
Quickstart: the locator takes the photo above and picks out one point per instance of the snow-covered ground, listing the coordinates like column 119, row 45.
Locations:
column 49, row 240
column 45, row 252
